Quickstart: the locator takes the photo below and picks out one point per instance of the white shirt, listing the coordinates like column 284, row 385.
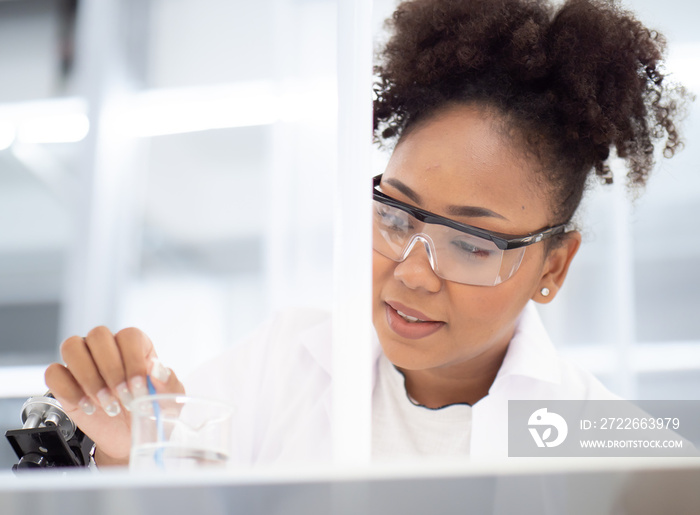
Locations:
column 401, row 428
column 280, row 380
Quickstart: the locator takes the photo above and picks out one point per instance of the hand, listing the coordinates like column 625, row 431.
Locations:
column 103, row 372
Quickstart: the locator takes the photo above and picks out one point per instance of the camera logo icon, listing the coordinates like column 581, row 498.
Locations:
column 540, row 425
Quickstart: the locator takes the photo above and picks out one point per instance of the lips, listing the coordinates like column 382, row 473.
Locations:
column 410, row 323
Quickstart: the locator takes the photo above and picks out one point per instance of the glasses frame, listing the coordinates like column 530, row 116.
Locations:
column 502, row 241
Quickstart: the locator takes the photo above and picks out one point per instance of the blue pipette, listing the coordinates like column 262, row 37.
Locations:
column 158, row 456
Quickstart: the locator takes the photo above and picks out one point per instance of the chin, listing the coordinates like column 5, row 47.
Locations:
column 409, row 355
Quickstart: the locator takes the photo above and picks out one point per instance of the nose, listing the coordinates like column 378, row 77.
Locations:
column 414, row 270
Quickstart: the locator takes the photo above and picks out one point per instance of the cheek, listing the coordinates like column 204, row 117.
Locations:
column 482, row 315
column 382, row 269
column 493, row 303
column 471, row 303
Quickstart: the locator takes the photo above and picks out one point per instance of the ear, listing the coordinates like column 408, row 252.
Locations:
column 556, row 266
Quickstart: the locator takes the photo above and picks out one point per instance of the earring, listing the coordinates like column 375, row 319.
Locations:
column 544, row 292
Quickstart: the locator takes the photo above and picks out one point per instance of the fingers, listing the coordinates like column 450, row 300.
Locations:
column 101, row 348
column 66, row 389
column 78, row 359
column 136, row 351
column 109, row 369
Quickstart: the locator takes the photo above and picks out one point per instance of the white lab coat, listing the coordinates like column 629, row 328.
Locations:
column 280, row 381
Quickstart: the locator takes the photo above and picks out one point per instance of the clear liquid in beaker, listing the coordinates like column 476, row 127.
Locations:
column 155, row 456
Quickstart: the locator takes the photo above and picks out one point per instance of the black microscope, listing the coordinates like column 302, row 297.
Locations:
column 48, row 438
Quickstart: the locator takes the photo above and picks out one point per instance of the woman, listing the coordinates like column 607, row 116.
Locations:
column 498, row 112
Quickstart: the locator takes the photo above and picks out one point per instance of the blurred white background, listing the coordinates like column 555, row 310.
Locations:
column 169, row 164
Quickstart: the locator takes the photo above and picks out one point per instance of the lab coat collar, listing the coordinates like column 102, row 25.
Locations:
column 530, row 352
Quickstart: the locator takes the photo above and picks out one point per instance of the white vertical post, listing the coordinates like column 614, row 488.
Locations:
column 623, row 284
column 102, row 246
column 352, row 262
column 281, row 171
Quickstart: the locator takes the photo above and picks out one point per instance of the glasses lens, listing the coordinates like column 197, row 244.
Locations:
column 458, row 256
column 393, row 230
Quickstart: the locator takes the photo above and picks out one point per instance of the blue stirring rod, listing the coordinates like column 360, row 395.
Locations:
column 158, row 456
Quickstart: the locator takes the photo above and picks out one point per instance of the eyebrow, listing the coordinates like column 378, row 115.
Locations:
column 464, row 211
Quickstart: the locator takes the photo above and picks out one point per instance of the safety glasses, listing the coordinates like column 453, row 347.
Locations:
column 457, row 252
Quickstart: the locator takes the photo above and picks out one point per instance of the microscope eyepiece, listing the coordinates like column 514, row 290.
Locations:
column 47, row 411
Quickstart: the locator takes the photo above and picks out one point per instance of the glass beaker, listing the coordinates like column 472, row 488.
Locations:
column 177, row 432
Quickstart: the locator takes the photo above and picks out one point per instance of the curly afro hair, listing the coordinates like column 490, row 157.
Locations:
column 576, row 81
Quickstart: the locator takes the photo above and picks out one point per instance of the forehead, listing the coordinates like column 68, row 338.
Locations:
column 464, row 156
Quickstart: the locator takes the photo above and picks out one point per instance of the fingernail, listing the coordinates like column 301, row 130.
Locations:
column 159, row 371
column 108, row 402
column 138, row 387
column 87, row 406
column 124, row 395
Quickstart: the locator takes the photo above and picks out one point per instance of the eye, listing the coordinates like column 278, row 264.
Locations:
column 393, row 219
column 468, row 250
